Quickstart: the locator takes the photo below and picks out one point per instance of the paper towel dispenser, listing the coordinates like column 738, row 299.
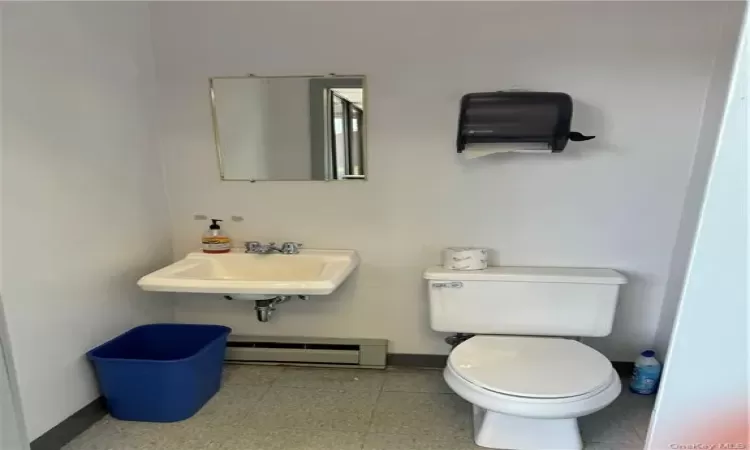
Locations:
column 508, row 117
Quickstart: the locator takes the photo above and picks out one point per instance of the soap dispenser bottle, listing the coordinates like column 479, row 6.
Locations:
column 214, row 240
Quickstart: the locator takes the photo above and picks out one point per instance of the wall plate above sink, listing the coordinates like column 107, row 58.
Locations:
column 247, row 276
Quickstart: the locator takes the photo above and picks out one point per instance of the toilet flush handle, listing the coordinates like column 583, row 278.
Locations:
column 449, row 284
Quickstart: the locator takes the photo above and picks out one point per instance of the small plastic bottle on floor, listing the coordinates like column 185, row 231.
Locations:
column 646, row 374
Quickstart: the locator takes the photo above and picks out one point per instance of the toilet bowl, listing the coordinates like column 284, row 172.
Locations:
column 527, row 388
column 528, row 392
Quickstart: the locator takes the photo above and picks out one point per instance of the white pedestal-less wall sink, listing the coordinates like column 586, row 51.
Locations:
column 267, row 279
column 309, row 272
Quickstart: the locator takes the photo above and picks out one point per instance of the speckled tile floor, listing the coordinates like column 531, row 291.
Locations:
column 289, row 408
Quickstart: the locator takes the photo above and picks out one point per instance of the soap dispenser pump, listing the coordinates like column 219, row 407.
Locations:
column 214, row 240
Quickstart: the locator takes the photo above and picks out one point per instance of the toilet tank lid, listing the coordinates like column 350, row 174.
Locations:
column 529, row 274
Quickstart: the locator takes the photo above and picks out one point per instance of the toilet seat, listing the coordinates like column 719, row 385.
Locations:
column 531, row 367
column 537, row 420
column 539, row 408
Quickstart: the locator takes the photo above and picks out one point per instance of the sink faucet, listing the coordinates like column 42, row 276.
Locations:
column 287, row 248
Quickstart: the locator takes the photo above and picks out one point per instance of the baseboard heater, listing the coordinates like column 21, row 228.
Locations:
column 309, row 351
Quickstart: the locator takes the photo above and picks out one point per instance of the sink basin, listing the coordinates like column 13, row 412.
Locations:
column 310, row 272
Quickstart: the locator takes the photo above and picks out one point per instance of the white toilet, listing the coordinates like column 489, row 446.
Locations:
column 527, row 387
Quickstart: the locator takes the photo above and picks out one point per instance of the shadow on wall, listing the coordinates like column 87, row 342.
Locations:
column 637, row 287
column 596, row 122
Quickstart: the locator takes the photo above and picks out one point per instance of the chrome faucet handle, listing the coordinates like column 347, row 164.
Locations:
column 252, row 246
column 290, row 248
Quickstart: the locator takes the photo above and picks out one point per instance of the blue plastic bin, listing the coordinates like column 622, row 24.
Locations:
column 161, row 372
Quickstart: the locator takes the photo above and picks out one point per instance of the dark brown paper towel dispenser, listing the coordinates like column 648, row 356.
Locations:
column 516, row 117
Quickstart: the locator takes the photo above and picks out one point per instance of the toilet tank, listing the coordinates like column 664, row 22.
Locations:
column 524, row 300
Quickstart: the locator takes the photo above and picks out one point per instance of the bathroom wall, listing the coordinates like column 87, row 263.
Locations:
column 694, row 410
column 12, row 429
column 638, row 71
column 709, row 129
column 84, row 210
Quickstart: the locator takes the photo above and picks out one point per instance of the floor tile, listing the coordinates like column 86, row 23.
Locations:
column 101, row 436
column 605, row 446
column 379, row 441
column 421, row 413
column 415, row 380
column 166, row 436
column 617, row 423
column 111, row 434
column 333, row 379
column 637, row 410
column 313, row 409
column 232, row 401
column 335, row 408
column 216, row 436
column 251, row 374
column 294, row 440
column 608, row 429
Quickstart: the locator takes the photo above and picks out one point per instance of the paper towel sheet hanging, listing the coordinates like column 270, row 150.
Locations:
column 479, row 150
column 517, row 117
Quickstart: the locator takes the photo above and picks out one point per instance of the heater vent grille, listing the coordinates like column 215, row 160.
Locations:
column 307, row 351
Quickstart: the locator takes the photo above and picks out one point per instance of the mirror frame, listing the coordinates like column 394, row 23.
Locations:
column 330, row 76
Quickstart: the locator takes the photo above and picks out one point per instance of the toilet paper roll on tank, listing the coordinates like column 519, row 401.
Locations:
column 465, row 258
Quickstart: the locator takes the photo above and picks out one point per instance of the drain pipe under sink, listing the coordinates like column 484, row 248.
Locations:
column 265, row 308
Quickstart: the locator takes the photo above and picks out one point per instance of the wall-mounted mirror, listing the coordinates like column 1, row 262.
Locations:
column 289, row 128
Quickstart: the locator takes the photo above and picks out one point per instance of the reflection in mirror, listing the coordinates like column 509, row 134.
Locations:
column 289, row 128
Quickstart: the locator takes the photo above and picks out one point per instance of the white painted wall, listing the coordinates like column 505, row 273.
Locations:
column 84, row 210
column 704, row 394
column 9, row 430
column 639, row 72
column 12, row 429
column 710, row 123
